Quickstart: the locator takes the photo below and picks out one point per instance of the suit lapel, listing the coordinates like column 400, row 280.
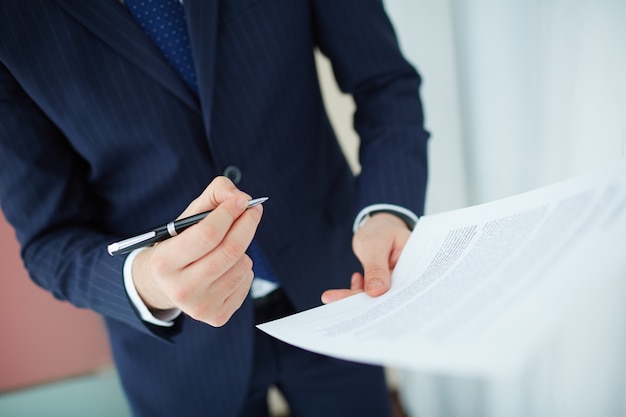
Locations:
column 113, row 24
column 202, row 19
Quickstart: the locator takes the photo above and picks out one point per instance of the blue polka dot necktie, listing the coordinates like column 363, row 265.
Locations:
column 164, row 22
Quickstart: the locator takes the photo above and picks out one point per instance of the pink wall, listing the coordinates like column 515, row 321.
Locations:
column 42, row 339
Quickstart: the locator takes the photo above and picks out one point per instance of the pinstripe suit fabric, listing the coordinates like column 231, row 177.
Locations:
column 100, row 138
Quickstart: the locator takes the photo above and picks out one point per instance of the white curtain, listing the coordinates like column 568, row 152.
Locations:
column 543, row 90
column 519, row 94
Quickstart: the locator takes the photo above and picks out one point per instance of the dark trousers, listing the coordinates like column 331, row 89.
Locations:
column 313, row 385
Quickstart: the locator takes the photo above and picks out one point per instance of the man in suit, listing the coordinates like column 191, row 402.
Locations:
column 103, row 135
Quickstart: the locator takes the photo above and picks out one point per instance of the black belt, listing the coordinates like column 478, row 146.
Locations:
column 273, row 306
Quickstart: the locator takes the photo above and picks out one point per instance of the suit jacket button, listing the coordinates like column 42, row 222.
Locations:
column 233, row 173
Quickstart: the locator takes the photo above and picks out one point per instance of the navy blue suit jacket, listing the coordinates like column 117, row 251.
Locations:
column 100, row 139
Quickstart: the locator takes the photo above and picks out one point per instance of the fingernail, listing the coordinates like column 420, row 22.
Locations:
column 374, row 284
column 327, row 299
column 242, row 203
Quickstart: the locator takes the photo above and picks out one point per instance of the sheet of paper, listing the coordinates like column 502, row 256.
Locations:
column 476, row 290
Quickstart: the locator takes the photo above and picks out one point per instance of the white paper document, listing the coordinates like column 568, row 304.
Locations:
column 476, row 290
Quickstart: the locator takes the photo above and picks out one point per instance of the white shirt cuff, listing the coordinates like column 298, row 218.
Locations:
column 261, row 287
column 365, row 213
column 164, row 318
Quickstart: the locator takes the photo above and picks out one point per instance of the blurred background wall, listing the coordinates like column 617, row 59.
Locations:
column 43, row 340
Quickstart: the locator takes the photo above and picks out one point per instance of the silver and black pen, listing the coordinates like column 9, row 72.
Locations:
column 161, row 233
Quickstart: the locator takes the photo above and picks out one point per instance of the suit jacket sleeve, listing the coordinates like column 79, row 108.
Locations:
column 362, row 47
column 40, row 173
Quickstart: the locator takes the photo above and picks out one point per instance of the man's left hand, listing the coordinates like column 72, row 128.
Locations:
column 377, row 244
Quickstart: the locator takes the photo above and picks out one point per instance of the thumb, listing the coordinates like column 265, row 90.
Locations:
column 375, row 244
column 218, row 191
column 377, row 276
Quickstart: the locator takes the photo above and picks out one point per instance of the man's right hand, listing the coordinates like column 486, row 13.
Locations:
column 204, row 271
